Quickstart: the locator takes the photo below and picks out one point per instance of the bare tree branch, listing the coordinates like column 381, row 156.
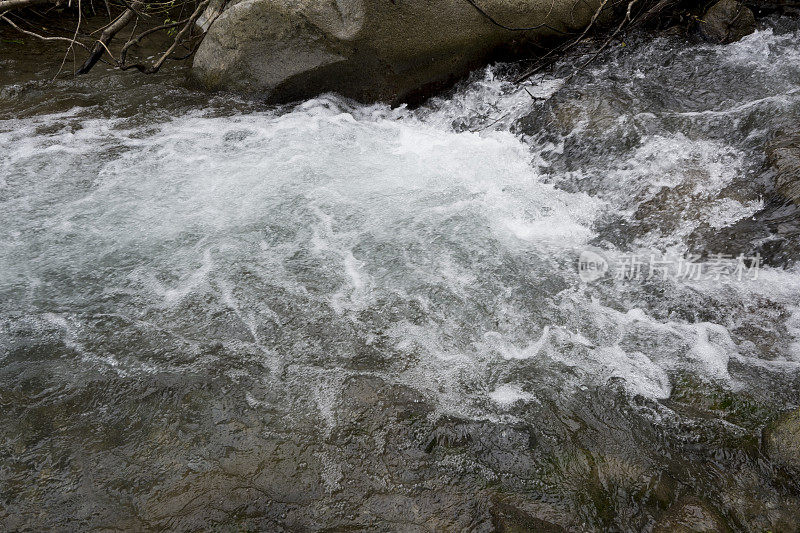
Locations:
column 510, row 28
column 136, row 40
column 108, row 34
column 7, row 5
column 41, row 37
column 177, row 41
column 71, row 45
column 561, row 49
column 622, row 24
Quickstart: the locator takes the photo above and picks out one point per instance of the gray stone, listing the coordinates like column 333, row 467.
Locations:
column 369, row 49
column 727, row 21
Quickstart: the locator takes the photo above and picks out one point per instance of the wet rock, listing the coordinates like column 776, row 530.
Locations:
column 783, row 159
column 782, row 441
column 772, row 233
column 691, row 516
column 367, row 402
column 508, row 517
column 727, row 21
column 568, row 111
column 368, row 49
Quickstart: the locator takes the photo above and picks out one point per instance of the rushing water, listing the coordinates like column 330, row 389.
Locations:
column 329, row 315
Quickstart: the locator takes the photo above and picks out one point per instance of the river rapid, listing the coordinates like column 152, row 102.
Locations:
column 216, row 314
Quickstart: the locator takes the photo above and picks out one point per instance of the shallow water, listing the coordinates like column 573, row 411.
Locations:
column 331, row 316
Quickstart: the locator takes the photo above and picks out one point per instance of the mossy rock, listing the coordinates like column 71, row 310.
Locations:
column 782, row 441
column 691, row 516
column 697, row 398
column 508, row 516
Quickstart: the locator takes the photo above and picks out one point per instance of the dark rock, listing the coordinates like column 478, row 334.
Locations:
column 691, row 516
column 774, row 231
column 727, row 21
column 782, row 441
column 783, row 159
column 510, row 518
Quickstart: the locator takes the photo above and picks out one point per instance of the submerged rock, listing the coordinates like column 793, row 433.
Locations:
column 369, row 49
column 783, row 158
column 782, row 441
column 774, row 231
column 509, row 516
column 691, row 516
column 727, row 21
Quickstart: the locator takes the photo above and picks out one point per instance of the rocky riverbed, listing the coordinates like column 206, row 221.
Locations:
column 327, row 316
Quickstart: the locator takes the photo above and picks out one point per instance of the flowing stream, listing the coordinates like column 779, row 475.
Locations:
column 215, row 314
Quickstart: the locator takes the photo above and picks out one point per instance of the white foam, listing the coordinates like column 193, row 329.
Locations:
column 496, row 342
column 428, row 233
column 641, row 374
column 507, row 395
column 763, row 49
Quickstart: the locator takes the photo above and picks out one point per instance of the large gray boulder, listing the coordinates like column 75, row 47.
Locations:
column 370, row 49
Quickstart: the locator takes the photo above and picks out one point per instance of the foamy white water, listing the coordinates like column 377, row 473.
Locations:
column 457, row 238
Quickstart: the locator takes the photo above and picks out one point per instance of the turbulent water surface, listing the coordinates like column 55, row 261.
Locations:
column 332, row 316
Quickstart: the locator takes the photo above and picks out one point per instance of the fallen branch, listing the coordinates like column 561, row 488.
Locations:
column 613, row 36
column 71, row 46
column 122, row 15
column 138, row 39
column 561, row 49
column 657, row 9
column 201, row 7
column 42, row 37
column 646, row 14
column 510, row 28
column 8, row 5
column 108, row 34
